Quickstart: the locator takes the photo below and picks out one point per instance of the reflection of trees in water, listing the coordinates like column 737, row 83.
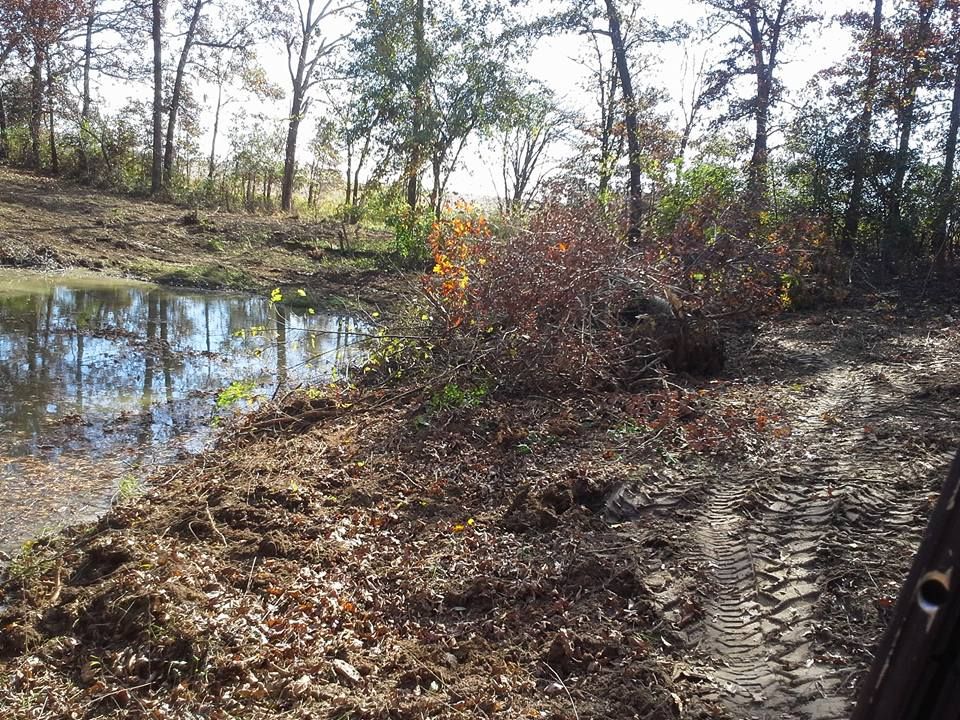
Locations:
column 281, row 333
column 101, row 352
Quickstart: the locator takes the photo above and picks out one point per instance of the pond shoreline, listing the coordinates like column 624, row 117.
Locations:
column 106, row 378
column 52, row 225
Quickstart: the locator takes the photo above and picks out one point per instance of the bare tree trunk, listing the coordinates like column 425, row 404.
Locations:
column 419, row 108
column 36, row 107
column 945, row 189
column 635, row 217
column 54, row 157
column 216, row 127
column 348, row 195
column 608, row 104
column 82, row 154
column 156, row 168
column 893, row 235
column 851, row 220
column 177, row 94
column 757, row 180
column 4, row 140
column 290, row 154
column 436, row 193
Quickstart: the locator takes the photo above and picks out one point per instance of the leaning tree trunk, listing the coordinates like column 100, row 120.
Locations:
column 851, row 220
column 156, row 167
column 635, row 215
column 177, row 94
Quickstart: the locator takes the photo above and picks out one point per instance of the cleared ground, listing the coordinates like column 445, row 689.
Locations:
column 49, row 224
column 727, row 549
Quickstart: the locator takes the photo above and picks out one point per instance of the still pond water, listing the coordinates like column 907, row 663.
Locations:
column 101, row 379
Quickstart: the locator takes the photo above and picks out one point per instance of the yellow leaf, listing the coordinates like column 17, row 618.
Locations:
column 459, row 528
column 301, row 292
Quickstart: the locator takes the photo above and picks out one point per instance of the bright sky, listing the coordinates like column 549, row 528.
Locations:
column 554, row 62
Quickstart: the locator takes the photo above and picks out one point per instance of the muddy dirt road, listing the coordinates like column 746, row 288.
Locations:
column 802, row 552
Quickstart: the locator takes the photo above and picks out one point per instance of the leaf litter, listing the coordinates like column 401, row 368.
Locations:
column 365, row 555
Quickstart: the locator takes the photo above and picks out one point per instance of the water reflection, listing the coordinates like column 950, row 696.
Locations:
column 98, row 376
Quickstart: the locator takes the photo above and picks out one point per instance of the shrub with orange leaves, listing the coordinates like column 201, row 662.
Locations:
column 566, row 301
column 458, row 241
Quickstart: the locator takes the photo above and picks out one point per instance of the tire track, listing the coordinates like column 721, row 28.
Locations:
column 771, row 539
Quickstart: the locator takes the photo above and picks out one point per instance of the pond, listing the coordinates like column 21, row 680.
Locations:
column 102, row 379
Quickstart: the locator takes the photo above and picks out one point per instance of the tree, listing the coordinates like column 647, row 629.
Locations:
column 325, row 152
column 469, row 91
column 434, row 74
column 913, row 67
column 232, row 33
column 635, row 213
column 194, row 9
column 226, row 68
column 945, row 187
column 11, row 28
column 156, row 146
column 357, row 124
column 533, row 125
column 306, row 36
column 705, row 87
column 107, row 30
column 760, row 30
column 605, row 83
column 37, row 26
column 418, row 88
column 868, row 93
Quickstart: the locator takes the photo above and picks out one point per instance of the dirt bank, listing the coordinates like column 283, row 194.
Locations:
column 727, row 549
column 49, row 224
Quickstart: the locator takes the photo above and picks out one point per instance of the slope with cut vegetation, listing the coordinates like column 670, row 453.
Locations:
column 708, row 549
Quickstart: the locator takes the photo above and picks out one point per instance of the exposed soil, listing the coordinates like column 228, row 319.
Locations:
column 720, row 550
column 49, row 224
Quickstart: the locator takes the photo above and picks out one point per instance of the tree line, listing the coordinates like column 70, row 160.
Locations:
column 382, row 101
